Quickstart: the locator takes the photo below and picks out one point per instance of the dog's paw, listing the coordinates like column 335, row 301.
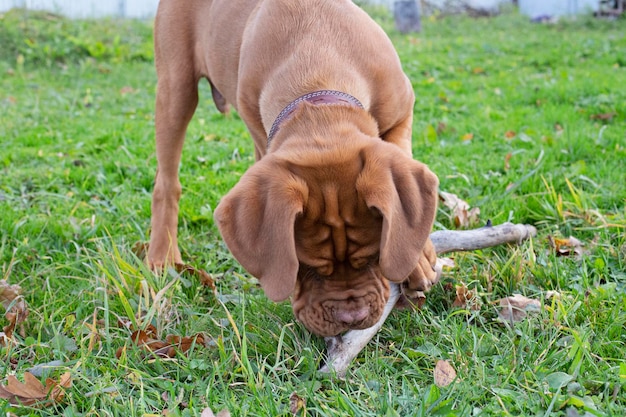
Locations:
column 425, row 275
column 157, row 257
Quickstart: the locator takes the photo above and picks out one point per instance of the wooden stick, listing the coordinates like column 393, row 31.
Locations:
column 342, row 349
column 467, row 240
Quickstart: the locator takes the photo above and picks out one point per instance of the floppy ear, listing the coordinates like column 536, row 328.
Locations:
column 256, row 220
column 404, row 191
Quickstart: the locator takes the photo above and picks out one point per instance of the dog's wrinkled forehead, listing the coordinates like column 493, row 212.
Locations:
column 337, row 226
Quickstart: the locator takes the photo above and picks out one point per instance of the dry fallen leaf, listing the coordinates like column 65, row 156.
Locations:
column 185, row 343
column 463, row 216
column 204, row 277
column 515, row 309
column 444, row 374
column 296, row 403
column 148, row 339
column 127, row 90
column 411, row 300
column 14, row 305
column 566, row 247
column 207, row 412
column 124, row 322
column 507, row 159
column 140, row 249
column 465, row 298
column 603, row 116
column 33, row 392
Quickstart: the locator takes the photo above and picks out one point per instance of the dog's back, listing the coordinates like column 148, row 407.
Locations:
column 260, row 55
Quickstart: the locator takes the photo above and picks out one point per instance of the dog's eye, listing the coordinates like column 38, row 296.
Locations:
column 363, row 262
column 325, row 270
column 359, row 263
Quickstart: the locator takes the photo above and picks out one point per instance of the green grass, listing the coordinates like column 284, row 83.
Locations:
column 76, row 171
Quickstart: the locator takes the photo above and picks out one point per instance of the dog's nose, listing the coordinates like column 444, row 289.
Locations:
column 349, row 317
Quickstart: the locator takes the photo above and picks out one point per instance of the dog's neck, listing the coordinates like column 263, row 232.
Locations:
column 322, row 97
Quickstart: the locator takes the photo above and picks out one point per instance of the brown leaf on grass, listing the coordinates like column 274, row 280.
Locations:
column 150, row 332
column 507, row 159
column 140, row 249
column 515, row 309
column 148, row 339
column 14, row 305
column 127, row 90
column 462, row 215
column 465, row 298
column 185, row 343
column 296, row 403
column 603, row 116
column 33, row 392
column 120, row 351
column 124, row 322
column 411, row 300
column 444, row 374
column 204, row 277
column 207, row 412
column 566, row 247
column 510, row 134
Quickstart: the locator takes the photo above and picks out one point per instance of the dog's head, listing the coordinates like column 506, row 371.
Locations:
column 331, row 226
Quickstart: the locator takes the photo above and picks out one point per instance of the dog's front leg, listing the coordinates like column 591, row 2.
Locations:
column 177, row 98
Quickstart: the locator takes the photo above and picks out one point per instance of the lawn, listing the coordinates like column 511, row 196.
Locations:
column 525, row 121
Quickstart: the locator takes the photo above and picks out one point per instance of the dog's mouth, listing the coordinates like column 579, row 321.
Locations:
column 332, row 317
column 330, row 305
column 352, row 312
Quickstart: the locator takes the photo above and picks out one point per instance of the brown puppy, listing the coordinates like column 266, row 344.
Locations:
column 335, row 205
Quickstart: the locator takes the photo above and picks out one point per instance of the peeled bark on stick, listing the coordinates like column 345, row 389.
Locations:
column 342, row 349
